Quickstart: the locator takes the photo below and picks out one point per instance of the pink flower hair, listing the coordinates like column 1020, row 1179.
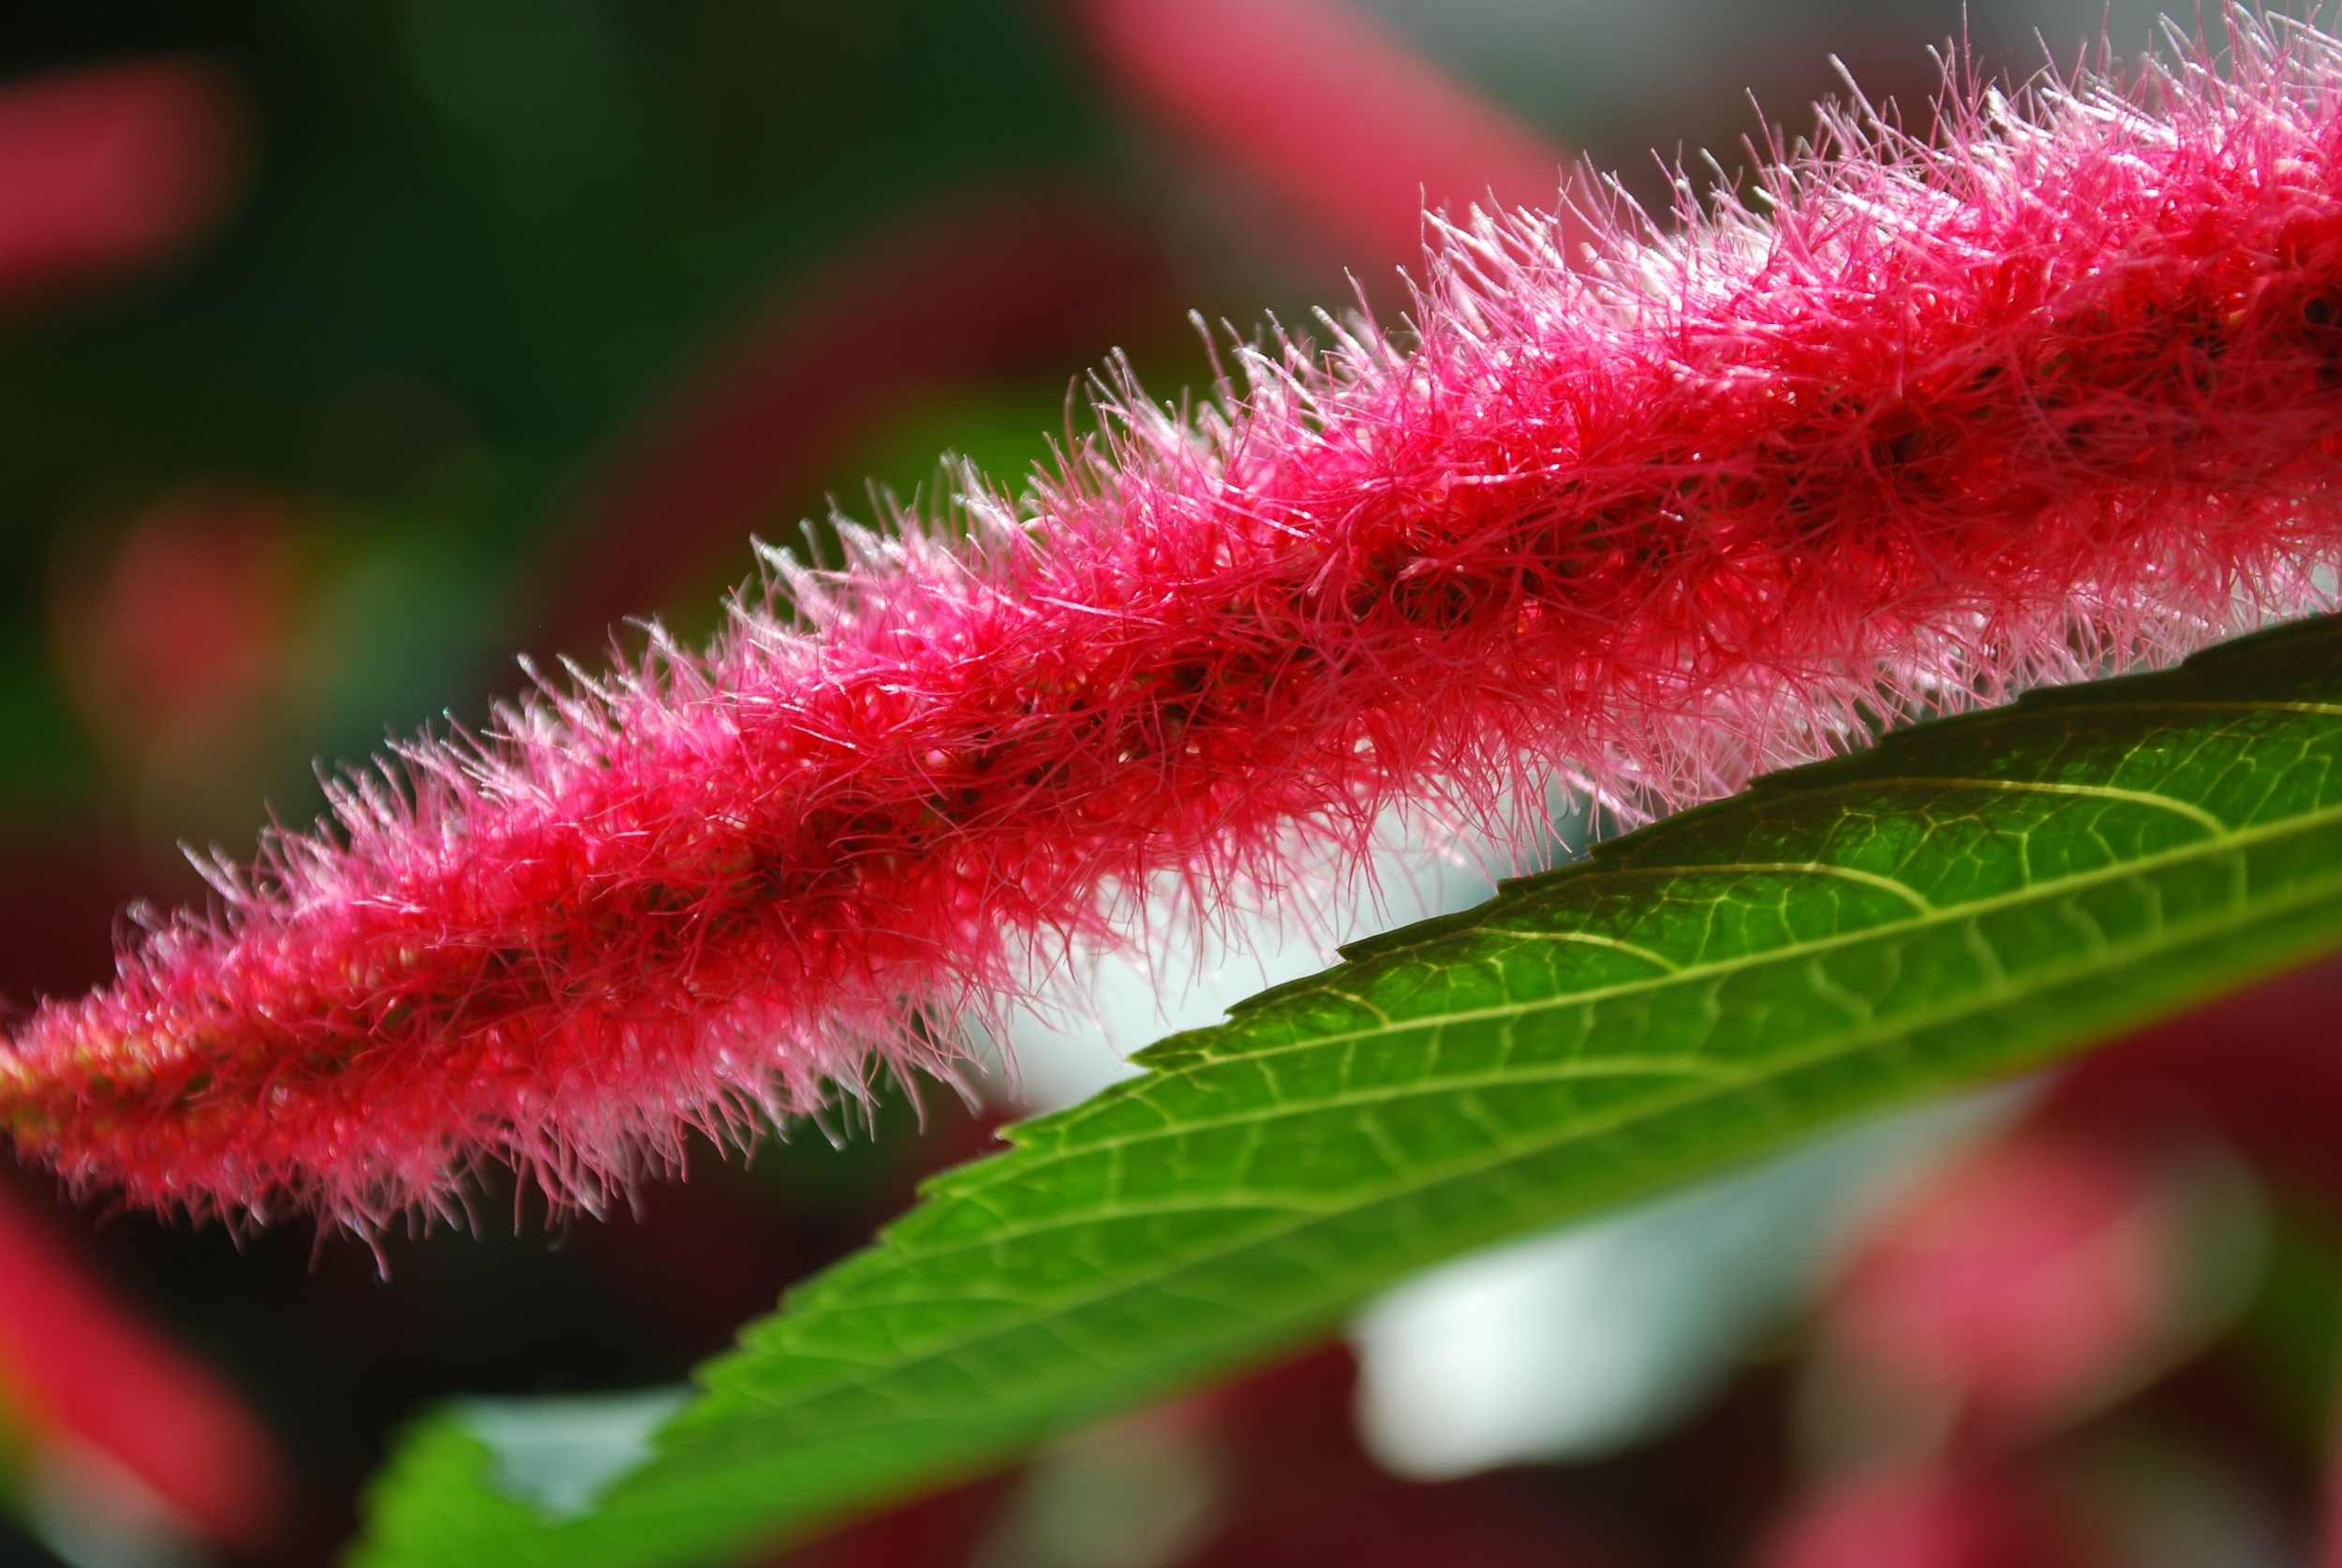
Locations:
column 1928, row 420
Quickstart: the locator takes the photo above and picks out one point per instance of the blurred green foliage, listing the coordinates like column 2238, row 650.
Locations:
column 473, row 237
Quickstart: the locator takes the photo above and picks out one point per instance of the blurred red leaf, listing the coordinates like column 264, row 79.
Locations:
column 939, row 1530
column 1327, row 109
column 85, row 1368
column 1306, row 1491
column 2260, row 1068
column 1013, row 283
column 109, row 170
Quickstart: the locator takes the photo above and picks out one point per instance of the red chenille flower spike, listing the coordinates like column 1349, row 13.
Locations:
column 1926, row 420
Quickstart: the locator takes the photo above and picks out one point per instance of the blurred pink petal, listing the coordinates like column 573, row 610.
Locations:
column 1337, row 116
column 1925, row 1521
column 2018, row 1284
column 109, row 170
column 189, row 614
column 85, row 1369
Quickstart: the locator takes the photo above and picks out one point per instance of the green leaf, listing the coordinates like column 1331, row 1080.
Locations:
column 1966, row 901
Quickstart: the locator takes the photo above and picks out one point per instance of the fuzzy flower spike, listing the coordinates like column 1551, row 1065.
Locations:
column 1927, row 420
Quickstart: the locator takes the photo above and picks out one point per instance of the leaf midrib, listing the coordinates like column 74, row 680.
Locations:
column 1865, row 1035
column 1943, row 915
column 1773, row 1070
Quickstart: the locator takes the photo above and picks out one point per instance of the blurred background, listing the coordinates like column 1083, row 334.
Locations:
column 349, row 349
